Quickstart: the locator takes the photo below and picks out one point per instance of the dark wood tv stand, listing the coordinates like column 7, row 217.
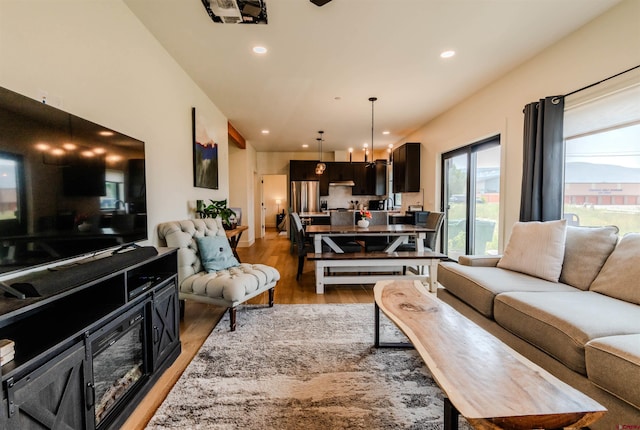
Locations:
column 64, row 347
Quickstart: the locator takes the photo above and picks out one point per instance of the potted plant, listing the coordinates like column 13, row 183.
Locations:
column 215, row 209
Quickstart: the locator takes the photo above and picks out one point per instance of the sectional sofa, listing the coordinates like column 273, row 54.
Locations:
column 567, row 298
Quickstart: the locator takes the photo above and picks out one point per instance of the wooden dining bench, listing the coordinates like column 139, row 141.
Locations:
column 484, row 380
column 365, row 267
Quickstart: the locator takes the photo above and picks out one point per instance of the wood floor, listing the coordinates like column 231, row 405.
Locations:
column 200, row 319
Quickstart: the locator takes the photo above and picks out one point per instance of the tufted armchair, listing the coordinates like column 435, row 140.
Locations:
column 228, row 287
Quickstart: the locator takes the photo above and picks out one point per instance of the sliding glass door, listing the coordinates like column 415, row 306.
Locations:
column 471, row 191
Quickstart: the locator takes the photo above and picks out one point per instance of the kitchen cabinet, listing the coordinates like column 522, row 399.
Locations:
column 370, row 181
column 406, row 168
column 340, row 171
column 305, row 170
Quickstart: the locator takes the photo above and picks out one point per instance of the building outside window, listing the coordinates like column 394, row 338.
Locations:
column 602, row 156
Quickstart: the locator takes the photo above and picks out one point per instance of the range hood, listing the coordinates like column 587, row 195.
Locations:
column 342, row 183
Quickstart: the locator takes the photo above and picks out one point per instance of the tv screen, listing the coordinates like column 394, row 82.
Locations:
column 68, row 186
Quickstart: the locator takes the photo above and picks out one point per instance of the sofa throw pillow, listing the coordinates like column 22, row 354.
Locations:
column 585, row 251
column 620, row 274
column 215, row 253
column 536, row 248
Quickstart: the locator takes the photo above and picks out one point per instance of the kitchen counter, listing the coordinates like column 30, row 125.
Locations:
column 327, row 213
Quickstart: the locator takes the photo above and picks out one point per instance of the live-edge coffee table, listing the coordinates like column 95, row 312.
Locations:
column 484, row 380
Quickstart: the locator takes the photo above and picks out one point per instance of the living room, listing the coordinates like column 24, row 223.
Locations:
column 125, row 80
column 97, row 60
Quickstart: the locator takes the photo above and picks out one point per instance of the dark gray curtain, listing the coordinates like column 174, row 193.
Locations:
column 543, row 164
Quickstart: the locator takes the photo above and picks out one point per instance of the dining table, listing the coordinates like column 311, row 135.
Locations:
column 401, row 233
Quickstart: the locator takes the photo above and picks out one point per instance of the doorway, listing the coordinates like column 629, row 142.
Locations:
column 274, row 202
column 471, row 191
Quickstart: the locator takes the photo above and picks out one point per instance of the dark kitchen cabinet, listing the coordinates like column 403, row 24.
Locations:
column 360, row 178
column 340, row 171
column 305, row 170
column 370, row 180
column 406, row 168
column 380, row 178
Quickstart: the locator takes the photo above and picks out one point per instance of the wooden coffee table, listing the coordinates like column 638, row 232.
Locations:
column 484, row 380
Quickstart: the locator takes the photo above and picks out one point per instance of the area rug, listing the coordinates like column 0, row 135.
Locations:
column 303, row 367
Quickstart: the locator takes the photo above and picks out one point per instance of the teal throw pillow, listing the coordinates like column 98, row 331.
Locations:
column 215, row 253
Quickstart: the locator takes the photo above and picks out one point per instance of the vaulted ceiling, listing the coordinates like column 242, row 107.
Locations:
column 323, row 63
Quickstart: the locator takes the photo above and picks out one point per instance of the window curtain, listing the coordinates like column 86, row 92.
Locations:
column 543, row 160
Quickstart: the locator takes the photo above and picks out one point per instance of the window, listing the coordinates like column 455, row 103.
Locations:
column 471, row 191
column 602, row 156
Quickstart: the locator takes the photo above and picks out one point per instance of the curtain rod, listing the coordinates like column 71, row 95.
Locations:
column 601, row 81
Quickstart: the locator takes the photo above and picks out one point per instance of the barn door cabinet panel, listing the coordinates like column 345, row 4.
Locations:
column 406, row 168
column 165, row 323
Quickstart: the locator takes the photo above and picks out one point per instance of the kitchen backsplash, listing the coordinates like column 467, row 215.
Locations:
column 340, row 197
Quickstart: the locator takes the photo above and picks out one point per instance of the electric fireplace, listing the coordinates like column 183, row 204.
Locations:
column 119, row 362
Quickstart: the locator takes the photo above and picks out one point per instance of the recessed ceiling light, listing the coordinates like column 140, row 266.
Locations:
column 259, row 49
column 265, row 131
column 304, row 145
column 106, row 133
column 447, row 54
column 386, row 132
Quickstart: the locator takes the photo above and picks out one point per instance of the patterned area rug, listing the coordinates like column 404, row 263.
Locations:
column 303, row 367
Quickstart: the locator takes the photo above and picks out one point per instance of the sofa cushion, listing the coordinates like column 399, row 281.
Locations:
column 478, row 286
column 620, row 275
column 215, row 253
column 562, row 323
column 233, row 284
column 613, row 364
column 585, row 252
column 536, row 248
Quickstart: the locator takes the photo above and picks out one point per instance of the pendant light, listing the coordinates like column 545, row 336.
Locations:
column 372, row 163
column 320, row 167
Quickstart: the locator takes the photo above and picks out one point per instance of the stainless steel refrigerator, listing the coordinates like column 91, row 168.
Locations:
column 305, row 196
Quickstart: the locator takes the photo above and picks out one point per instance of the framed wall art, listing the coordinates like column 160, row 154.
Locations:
column 205, row 154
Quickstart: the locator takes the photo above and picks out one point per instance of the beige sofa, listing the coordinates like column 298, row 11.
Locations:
column 584, row 328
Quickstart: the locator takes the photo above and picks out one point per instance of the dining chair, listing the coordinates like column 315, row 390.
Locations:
column 434, row 221
column 302, row 245
column 345, row 218
column 377, row 243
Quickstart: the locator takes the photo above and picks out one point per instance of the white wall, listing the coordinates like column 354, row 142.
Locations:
column 101, row 63
column 606, row 46
column 241, row 188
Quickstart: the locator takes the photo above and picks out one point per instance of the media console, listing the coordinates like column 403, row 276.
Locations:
column 86, row 354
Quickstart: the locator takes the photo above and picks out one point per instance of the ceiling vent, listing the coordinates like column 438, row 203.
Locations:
column 237, row 11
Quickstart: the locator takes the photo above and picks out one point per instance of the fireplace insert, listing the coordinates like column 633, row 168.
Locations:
column 119, row 362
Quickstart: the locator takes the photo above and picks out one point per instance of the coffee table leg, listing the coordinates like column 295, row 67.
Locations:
column 451, row 415
column 377, row 319
column 377, row 342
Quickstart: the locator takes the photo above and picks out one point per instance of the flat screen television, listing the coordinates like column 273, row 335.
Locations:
column 68, row 187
